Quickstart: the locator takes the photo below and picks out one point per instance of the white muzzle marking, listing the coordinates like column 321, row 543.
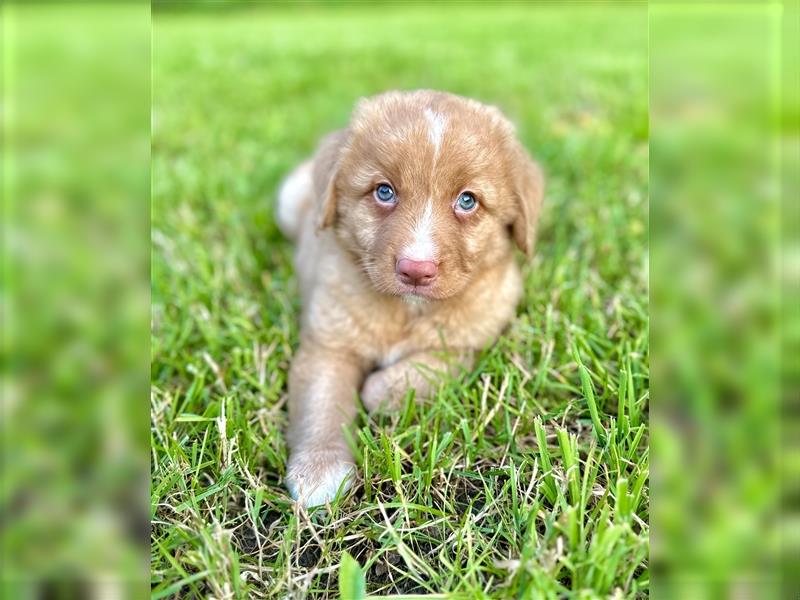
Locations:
column 422, row 246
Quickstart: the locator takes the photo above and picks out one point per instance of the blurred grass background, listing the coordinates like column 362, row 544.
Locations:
column 724, row 133
column 75, row 300
column 468, row 494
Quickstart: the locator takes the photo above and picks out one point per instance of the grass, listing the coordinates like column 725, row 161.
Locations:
column 526, row 477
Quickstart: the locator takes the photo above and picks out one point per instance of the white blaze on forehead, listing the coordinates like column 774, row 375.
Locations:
column 422, row 246
column 436, row 124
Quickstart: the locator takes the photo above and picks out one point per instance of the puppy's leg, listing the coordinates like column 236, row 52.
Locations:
column 322, row 400
column 422, row 371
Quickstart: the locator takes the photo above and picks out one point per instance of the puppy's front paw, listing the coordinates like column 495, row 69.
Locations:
column 314, row 478
column 378, row 391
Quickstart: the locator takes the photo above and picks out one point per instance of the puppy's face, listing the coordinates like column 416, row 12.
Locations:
column 427, row 190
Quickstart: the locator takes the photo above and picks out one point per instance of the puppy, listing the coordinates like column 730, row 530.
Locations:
column 405, row 224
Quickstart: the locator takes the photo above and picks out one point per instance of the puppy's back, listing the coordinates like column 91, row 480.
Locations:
column 293, row 200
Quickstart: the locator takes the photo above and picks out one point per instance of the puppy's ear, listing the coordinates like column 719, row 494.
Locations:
column 326, row 169
column 529, row 191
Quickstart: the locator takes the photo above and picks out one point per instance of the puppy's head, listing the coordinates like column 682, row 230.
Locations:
column 428, row 190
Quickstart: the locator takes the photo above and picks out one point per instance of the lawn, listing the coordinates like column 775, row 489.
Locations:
column 525, row 478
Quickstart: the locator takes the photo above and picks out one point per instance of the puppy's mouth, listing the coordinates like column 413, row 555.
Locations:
column 417, row 291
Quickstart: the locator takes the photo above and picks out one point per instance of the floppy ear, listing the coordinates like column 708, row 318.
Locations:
column 326, row 169
column 529, row 191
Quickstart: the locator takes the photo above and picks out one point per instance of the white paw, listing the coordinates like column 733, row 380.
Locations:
column 315, row 478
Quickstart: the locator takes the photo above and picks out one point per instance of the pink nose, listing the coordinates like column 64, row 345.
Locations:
column 416, row 272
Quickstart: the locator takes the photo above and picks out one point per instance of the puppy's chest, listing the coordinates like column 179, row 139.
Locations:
column 413, row 335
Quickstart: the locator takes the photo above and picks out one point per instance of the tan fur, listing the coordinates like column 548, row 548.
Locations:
column 364, row 331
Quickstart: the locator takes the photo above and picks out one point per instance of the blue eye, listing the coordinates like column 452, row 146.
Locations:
column 466, row 202
column 384, row 193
